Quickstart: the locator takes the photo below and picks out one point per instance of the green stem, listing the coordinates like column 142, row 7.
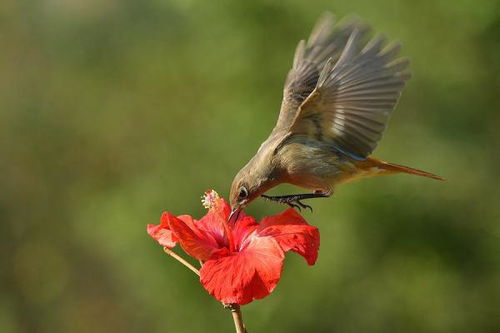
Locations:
column 181, row 260
column 237, row 317
column 235, row 308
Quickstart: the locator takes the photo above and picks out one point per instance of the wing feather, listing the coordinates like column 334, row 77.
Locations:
column 326, row 41
column 354, row 95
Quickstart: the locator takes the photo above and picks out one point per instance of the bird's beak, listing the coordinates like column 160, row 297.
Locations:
column 234, row 212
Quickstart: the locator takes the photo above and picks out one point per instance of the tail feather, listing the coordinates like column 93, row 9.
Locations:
column 388, row 168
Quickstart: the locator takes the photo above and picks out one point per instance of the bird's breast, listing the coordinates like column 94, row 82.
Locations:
column 314, row 165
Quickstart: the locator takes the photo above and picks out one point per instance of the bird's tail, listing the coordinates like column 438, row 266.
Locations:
column 377, row 167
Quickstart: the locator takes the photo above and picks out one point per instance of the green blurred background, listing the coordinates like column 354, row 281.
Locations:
column 113, row 111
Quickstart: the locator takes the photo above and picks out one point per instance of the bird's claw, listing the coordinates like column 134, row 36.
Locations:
column 290, row 201
column 303, row 205
column 292, row 205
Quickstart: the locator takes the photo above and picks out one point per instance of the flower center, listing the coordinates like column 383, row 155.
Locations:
column 210, row 201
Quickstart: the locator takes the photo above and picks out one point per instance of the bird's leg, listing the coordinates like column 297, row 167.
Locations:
column 294, row 200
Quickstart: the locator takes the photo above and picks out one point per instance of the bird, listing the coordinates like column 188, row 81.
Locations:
column 337, row 99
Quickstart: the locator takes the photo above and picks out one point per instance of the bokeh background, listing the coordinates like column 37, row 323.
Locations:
column 113, row 111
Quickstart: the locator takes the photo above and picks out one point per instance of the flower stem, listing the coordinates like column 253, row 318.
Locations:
column 181, row 260
column 237, row 317
column 235, row 308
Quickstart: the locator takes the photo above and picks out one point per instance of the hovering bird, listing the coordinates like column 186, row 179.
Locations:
column 337, row 99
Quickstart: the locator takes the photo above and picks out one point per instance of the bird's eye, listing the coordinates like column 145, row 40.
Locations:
column 243, row 193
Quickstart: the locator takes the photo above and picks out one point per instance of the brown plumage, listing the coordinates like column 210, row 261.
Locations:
column 336, row 103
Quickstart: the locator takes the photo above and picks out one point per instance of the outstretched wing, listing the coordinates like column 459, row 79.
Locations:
column 326, row 41
column 354, row 96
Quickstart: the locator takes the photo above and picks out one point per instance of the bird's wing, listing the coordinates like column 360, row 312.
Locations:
column 326, row 41
column 354, row 95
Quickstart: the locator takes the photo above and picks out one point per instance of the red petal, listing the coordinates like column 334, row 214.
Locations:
column 162, row 233
column 242, row 230
column 241, row 277
column 196, row 243
column 195, row 226
column 292, row 233
column 215, row 223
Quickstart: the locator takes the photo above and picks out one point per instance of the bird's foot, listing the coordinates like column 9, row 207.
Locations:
column 294, row 200
column 302, row 205
column 289, row 200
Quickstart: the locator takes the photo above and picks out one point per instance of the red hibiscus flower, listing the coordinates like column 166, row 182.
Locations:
column 241, row 260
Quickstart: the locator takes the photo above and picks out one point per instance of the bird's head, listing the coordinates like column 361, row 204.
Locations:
column 252, row 181
column 245, row 188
